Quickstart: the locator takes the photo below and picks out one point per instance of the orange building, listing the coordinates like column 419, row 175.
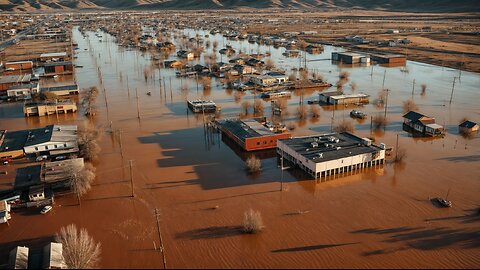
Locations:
column 251, row 134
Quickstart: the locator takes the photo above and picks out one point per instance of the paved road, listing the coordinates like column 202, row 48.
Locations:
column 9, row 42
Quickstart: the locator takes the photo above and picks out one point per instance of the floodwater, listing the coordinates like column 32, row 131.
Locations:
column 377, row 218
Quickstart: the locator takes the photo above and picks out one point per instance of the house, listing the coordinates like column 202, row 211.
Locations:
column 422, row 124
column 468, row 127
column 393, row 31
column 19, row 67
column 36, row 193
column 13, row 80
column 18, row 258
column 254, row 62
column 173, row 63
column 4, row 212
column 53, row 257
column 251, row 134
column 244, row 69
column 330, row 154
column 338, row 98
column 186, row 54
column 53, row 57
column 23, row 91
column 52, row 140
column 389, row 58
column 12, row 143
column 52, row 176
column 63, row 90
column 313, row 49
column 58, row 68
column 49, row 107
column 350, row 57
column 268, row 80
column 356, row 39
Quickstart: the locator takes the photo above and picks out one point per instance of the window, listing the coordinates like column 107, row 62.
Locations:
column 258, row 143
column 36, row 148
column 64, row 145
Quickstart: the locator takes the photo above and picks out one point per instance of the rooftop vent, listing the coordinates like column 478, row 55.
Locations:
column 314, row 144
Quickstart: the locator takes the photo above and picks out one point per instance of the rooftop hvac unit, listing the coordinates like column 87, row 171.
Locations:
column 320, row 155
column 383, row 146
column 314, row 144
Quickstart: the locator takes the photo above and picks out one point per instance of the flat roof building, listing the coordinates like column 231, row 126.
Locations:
column 330, row 154
column 251, row 134
column 350, row 57
column 336, row 98
column 49, row 107
column 18, row 258
column 53, row 256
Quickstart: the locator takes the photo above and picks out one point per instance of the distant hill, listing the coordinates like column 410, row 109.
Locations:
column 386, row 5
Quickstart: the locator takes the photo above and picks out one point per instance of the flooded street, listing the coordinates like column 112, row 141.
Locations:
column 377, row 218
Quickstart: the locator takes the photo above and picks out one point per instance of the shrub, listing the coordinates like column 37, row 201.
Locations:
column 252, row 221
column 379, row 121
column 315, row 111
column 258, row 107
column 301, row 112
column 409, row 105
column 345, row 126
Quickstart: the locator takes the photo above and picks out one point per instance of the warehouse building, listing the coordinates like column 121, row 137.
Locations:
column 331, row 154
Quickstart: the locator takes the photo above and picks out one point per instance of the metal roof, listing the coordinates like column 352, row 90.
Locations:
column 16, row 78
column 326, row 147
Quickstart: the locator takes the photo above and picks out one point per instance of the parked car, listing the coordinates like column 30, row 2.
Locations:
column 46, row 209
column 5, row 161
column 41, row 158
column 57, row 158
column 358, row 114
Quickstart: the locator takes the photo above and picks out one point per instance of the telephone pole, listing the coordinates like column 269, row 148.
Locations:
column 131, row 177
column 453, row 88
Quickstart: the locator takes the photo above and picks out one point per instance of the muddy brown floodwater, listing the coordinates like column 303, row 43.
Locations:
column 377, row 218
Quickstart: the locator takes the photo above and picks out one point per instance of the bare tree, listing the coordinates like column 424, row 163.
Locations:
column 269, row 64
column 79, row 249
column 345, row 126
column 400, row 154
column 88, row 100
column 342, row 80
column 302, row 112
column 379, row 121
column 253, row 164
column 87, row 139
column 48, row 95
column 238, row 96
column 246, row 105
column 424, row 90
column 381, row 99
column 314, row 111
column 409, row 105
column 292, row 77
column 353, row 86
column 302, row 44
column 258, row 107
column 215, row 45
column 81, row 180
column 252, row 221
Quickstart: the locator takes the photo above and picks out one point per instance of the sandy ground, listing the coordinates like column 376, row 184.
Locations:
column 380, row 217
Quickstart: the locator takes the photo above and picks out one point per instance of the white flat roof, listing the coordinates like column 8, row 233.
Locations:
column 56, row 54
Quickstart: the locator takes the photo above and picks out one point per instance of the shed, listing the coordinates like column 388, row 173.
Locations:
column 18, row 258
column 53, row 256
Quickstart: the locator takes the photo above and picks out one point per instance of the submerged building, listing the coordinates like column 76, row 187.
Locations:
column 330, row 154
column 251, row 134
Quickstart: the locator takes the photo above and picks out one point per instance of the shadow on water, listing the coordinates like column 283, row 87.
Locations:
column 210, row 232
column 471, row 215
column 422, row 238
column 314, row 247
column 215, row 165
column 471, row 158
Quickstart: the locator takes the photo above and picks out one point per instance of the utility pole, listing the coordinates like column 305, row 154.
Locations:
column 386, row 103
column 384, row 75
column 453, row 88
column 160, row 238
column 413, row 88
column 396, row 149
column 138, row 109
column 131, row 177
